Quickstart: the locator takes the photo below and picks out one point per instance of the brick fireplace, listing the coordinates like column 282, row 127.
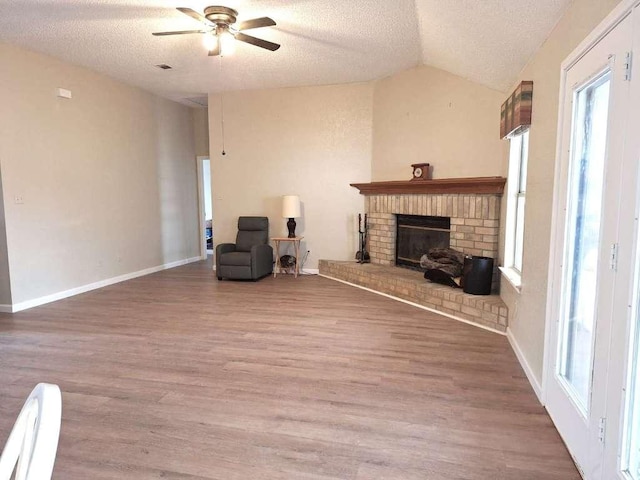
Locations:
column 473, row 206
column 475, row 221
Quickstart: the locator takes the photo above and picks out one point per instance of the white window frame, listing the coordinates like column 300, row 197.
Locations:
column 516, row 189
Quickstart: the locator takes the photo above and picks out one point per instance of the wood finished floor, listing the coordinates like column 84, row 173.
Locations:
column 177, row 375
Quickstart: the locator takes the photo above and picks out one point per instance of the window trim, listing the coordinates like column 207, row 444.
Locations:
column 516, row 189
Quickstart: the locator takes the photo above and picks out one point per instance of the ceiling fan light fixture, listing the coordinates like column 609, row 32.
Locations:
column 220, row 31
column 210, row 41
column 227, row 43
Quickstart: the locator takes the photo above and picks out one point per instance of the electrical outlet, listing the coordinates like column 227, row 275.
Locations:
column 18, row 199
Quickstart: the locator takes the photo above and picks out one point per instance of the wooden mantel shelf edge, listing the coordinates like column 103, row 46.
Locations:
column 477, row 185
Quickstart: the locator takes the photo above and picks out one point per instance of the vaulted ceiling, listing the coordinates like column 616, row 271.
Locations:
column 323, row 41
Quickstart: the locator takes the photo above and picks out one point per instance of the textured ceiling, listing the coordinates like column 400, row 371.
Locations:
column 323, row 41
column 487, row 41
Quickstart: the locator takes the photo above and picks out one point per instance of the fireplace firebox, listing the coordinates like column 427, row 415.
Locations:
column 416, row 234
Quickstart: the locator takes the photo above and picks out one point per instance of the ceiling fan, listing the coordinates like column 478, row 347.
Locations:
column 221, row 29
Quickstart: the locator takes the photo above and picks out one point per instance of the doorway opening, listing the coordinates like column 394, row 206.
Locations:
column 205, row 207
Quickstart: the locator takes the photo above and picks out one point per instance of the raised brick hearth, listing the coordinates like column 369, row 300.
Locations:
column 473, row 206
column 485, row 310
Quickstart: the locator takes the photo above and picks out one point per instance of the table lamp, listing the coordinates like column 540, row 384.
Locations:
column 291, row 210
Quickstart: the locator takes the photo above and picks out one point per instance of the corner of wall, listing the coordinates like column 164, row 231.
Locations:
column 5, row 278
column 201, row 131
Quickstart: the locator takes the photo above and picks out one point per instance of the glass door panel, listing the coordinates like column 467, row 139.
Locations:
column 631, row 434
column 584, row 215
column 631, row 447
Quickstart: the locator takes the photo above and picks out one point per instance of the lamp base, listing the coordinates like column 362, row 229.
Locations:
column 291, row 225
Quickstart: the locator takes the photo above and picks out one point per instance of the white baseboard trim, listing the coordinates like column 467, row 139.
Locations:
column 415, row 305
column 17, row 307
column 310, row 271
column 537, row 388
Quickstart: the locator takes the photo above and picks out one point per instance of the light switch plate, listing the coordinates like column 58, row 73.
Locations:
column 64, row 93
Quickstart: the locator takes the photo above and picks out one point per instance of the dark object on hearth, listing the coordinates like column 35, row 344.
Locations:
column 437, row 275
column 251, row 257
column 291, row 226
column 477, row 275
column 446, row 255
column 452, row 270
column 367, row 258
column 287, row 261
column 362, row 255
column 448, row 260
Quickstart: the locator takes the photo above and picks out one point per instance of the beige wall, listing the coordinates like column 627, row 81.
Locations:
column 308, row 141
column 314, row 141
column 428, row 115
column 108, row 178
column 201, row 131
column 527, row 320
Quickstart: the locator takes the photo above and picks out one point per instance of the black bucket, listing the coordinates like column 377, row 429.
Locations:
column 477, row 275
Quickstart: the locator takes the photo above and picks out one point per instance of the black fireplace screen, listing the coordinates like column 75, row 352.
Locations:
column 416, row 234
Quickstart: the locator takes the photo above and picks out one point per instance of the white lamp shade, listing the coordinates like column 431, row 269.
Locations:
column 290, row 206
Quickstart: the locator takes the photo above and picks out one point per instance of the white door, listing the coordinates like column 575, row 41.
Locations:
column 583, row 274
column 622, row 439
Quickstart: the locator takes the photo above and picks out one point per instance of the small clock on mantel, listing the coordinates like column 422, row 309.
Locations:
column 421, row 171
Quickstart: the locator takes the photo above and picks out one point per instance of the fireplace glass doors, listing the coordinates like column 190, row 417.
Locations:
column 416, row 234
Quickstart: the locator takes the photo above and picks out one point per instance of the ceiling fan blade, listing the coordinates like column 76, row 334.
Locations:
column 256, row 23
column 179, row 32
column 258, row 42
column 194, row 14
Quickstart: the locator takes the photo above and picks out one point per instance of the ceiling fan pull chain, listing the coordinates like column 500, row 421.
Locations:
column 221, row 107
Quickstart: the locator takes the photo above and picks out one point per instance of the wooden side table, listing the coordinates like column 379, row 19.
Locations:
column 296, row 246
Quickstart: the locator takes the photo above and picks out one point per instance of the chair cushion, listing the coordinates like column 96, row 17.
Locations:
column 253, row 223
column 246, row 240
column 242, row 259
column 252, row 231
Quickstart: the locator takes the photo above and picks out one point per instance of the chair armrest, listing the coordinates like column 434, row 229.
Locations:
column 225, row 248
column 261, row 260
column 221, row 249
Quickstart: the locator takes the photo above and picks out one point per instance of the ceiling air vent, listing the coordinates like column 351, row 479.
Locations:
column 164, row 66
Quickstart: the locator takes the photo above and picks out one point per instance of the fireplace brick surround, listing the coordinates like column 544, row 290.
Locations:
column 475, row 221
column 474, row 208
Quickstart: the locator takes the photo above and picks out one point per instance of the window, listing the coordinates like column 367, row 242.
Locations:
column 516, row 188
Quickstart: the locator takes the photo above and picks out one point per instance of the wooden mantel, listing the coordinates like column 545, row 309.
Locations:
column 486, row 185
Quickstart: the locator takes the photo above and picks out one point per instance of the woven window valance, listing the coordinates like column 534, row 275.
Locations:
column 515, row 113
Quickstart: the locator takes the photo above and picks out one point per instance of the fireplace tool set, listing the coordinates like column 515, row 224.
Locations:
column 362, row 255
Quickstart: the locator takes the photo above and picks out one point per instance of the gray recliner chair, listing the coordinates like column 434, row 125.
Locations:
column 251, row 257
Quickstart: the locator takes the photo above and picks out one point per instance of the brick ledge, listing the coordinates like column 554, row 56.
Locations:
column 487, row 311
